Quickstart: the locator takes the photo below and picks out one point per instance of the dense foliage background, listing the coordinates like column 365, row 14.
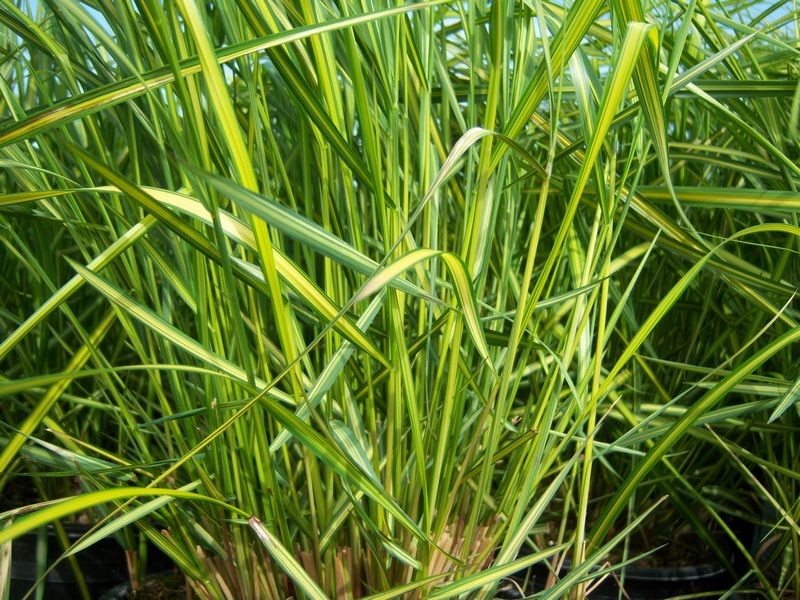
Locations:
column 346, row 297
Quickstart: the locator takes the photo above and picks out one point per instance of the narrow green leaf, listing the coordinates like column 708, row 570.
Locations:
column 287, row 561
column 55, row 457
column 112, row 94
column 462, row 285
column 23, row 197
column 401, row 555
column 15, row 386
column 645, row 80
column 578, row 572
column 329, row 375
column 354, row 450
column 751, row 200
column 790, row 398
column 494, row 574
column 127, row 518
column 15, row 164
column 83, row 502
column 466, row 298
column 386, row 275
column 169, row 332
column 336, row 460
column 681, row 426
column 46, row 402
column 5, row 568
column 217, row 90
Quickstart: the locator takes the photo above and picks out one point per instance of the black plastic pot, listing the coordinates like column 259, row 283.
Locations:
column 102, row 565
column 640, row 583
column 653, row 583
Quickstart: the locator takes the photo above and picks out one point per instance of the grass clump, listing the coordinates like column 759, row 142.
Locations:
column 344, row 299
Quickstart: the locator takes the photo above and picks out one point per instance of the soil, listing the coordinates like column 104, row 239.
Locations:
column 166, row 588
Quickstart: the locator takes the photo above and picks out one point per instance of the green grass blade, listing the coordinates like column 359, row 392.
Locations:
column 493, row 574
column 789, row 399
column 287, row 561
column 45, row 404
column 86, row 104
column 751, row 200
column 340, row 464
column 578, row 572
column 461, row 283
column 169, row 332
column 76, row 504
column 122, row 243
column 688, row 420
column 330, row 374
column 354, row 450
column 128, row 518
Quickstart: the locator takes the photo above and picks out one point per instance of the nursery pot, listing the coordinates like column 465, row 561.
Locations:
column 664, row 582
column 102, row 565
column 640, row 583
